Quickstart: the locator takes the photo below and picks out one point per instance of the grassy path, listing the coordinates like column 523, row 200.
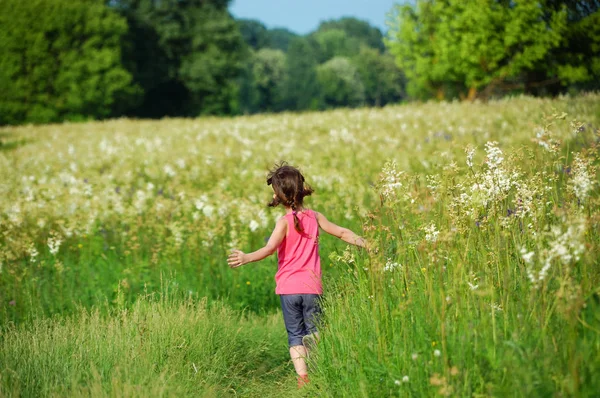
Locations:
column 156, row 348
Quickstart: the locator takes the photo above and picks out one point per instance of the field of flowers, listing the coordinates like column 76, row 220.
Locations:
column 482, row 276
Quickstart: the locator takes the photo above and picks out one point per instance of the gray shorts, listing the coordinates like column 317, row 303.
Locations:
column 300, row 314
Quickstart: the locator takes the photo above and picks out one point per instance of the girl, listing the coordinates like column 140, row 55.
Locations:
column 298, row 277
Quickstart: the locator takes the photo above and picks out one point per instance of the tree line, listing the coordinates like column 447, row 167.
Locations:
column 93, row 59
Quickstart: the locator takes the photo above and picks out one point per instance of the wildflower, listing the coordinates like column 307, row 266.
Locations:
column 437, row 353
column 397, row 382
column 208, row 210
column 470, row 151
column 169, row 170
column 390, row 179
column 405, row 379
column 565, row 246
column 414, row 356
column 253, row 225
column 33, row 253
column 431, row 233
column 390, row 265
column 248, row 283
column 494, row 154
column 433, row 183
column 54, row 244
column 527, row 256
column 582, row 182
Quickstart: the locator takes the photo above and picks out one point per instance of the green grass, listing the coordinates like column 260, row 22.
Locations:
column 480, row 280
column 161, row 346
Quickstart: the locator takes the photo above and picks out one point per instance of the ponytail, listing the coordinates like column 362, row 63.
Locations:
column 297, row 225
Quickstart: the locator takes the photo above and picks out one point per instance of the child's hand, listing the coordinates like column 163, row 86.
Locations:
column 237, row 258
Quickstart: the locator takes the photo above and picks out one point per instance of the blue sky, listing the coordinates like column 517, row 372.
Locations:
column 303, row 16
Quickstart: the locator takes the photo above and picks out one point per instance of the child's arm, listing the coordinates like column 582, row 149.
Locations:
column 339, row 232
column 238, row 257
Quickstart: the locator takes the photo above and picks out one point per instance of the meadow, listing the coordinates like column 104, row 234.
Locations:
column 481, row 277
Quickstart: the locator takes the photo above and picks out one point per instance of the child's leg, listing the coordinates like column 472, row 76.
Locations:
column 291, row 306
column 311, row 313
column 298, row 354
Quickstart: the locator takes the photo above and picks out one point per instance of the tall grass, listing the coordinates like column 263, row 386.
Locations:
column 163, row 345
column 464, row 297
column 481, row 279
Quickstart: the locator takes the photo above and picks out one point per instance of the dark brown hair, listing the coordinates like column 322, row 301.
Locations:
column 290, row 189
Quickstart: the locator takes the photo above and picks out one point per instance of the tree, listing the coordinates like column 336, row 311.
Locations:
column 484, row 44
column 335, row 43
column 576, row 61
column 301, row 89
column 255, row 34
column 199, row 52
column 360, row 31
column 280, row 39
column 382, row 80
column 268, row 73
column 340, row 83
column 61, row 60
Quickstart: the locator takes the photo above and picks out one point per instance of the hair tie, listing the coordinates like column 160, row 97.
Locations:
column 294, row 212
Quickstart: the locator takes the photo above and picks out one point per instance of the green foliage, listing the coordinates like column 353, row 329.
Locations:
column 269, row 76
column 61, row 60
column 301, row 86
column 484, row 44
column 458, row 248
column 382, row 80
column 456, row 263
column 280, row 39
column 254, row 33
column 355, row 29
column 335, row 43
column 257, row 36
column 340, row 83
column 577, row 59
column 197, row 52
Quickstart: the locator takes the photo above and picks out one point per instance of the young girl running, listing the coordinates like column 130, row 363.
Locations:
column 298, row 277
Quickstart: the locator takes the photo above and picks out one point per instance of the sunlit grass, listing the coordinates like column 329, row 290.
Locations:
column 481, row 278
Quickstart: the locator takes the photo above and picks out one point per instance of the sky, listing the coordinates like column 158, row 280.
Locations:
column 303, row 16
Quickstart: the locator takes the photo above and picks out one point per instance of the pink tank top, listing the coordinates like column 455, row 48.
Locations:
column 299, row 264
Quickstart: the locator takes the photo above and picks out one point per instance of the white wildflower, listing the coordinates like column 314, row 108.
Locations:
column 169, row 170
column 414, row 356
column 494, row 154
column 33, row 253
column 254, row 225
column 433, row 183
column 390, row 265
column 208, row 210
column 431, row 233
column 390, row 179
column 54, row 243
column 405, row 379
column 565, row 246
column 470, row 151
column 582, row 182
column 527, row 256
column 437, row 353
